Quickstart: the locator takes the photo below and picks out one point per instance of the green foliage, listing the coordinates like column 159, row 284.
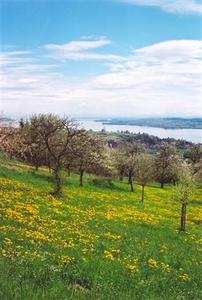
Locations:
column 145, row 169
column 194, row 153
column 185, row 186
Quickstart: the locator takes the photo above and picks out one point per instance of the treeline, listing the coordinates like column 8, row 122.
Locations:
column 49, row 140
column 59, row 143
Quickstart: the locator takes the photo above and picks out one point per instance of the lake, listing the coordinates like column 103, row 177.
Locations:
column 192, row 135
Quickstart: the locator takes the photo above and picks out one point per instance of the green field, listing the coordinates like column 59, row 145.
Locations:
column 97, row 242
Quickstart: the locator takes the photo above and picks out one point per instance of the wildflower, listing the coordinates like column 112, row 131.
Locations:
column 184, row 277
column 108, row 255
column 112, row 237
column 115, row 250
column 165, row 267
column 66, row 259
column 152, row 263
column 163, row 248
column 133, row 267
column 7, row 241
column 84, row 250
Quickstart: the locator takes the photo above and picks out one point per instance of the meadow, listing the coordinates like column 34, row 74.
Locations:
column 97, row 242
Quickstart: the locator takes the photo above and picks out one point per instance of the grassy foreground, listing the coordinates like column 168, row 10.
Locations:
column 98, row 242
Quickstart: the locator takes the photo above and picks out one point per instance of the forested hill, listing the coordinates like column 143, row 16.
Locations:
column 166, row 123
column 151, row 142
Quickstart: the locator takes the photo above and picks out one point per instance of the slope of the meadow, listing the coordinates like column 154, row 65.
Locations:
column 97, row 242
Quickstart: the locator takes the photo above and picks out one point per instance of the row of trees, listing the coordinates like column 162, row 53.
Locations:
column 49, row 140
column 134, row 161
column 59, row 144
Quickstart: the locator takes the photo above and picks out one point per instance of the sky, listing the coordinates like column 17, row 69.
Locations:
column 101, row 58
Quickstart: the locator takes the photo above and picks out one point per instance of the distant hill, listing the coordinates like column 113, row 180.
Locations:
column 166, row 123
column 8, row 122
column 6, row 119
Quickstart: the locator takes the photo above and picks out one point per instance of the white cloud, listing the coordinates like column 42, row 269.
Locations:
column 14, row 57
column 78, row 50
column 164, row 78
column 161, row 79
column 86, row 56
column 172, row 6
column 179, row 49
column 78, row 46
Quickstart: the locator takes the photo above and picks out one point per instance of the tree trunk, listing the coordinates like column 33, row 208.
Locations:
column 58, row 183
column 68, row 172
column 183, row 217
column 142, row 199
column 162, row 185
column 49, row 167
column 36, row 167
column 131, row 186
column 130, row 181
column 81, row 177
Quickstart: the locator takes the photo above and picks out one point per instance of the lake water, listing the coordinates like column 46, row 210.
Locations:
column 192, row 135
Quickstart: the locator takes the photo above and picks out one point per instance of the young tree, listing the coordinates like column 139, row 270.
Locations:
column 198, row 170
column 119, row 162
column 131, row 152
column 144, row 170
column 36, row 153
column 56, row 134
column 194, row 157
column 103, row 165
column 88, row 153
column 12, row 142
column 183, row 191
column 166, row 162
column 194, row 153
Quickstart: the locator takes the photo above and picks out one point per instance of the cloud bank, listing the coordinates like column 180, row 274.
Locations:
column 158, row 80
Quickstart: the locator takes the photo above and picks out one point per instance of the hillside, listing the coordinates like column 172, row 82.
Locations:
column 98, row 242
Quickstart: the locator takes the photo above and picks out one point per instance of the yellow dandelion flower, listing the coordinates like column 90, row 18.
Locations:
column 184, row 277
column 152, row 263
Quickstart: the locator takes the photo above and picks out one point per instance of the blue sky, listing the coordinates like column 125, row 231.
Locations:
column 101, row 57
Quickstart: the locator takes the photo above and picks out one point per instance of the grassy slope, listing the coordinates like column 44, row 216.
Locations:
column 96, row 243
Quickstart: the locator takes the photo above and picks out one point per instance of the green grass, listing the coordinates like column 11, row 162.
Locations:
column 97, row 242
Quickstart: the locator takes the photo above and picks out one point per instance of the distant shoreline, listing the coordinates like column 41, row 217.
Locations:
column 165, row 123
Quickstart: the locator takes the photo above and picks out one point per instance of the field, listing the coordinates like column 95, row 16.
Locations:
column 97, row 242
